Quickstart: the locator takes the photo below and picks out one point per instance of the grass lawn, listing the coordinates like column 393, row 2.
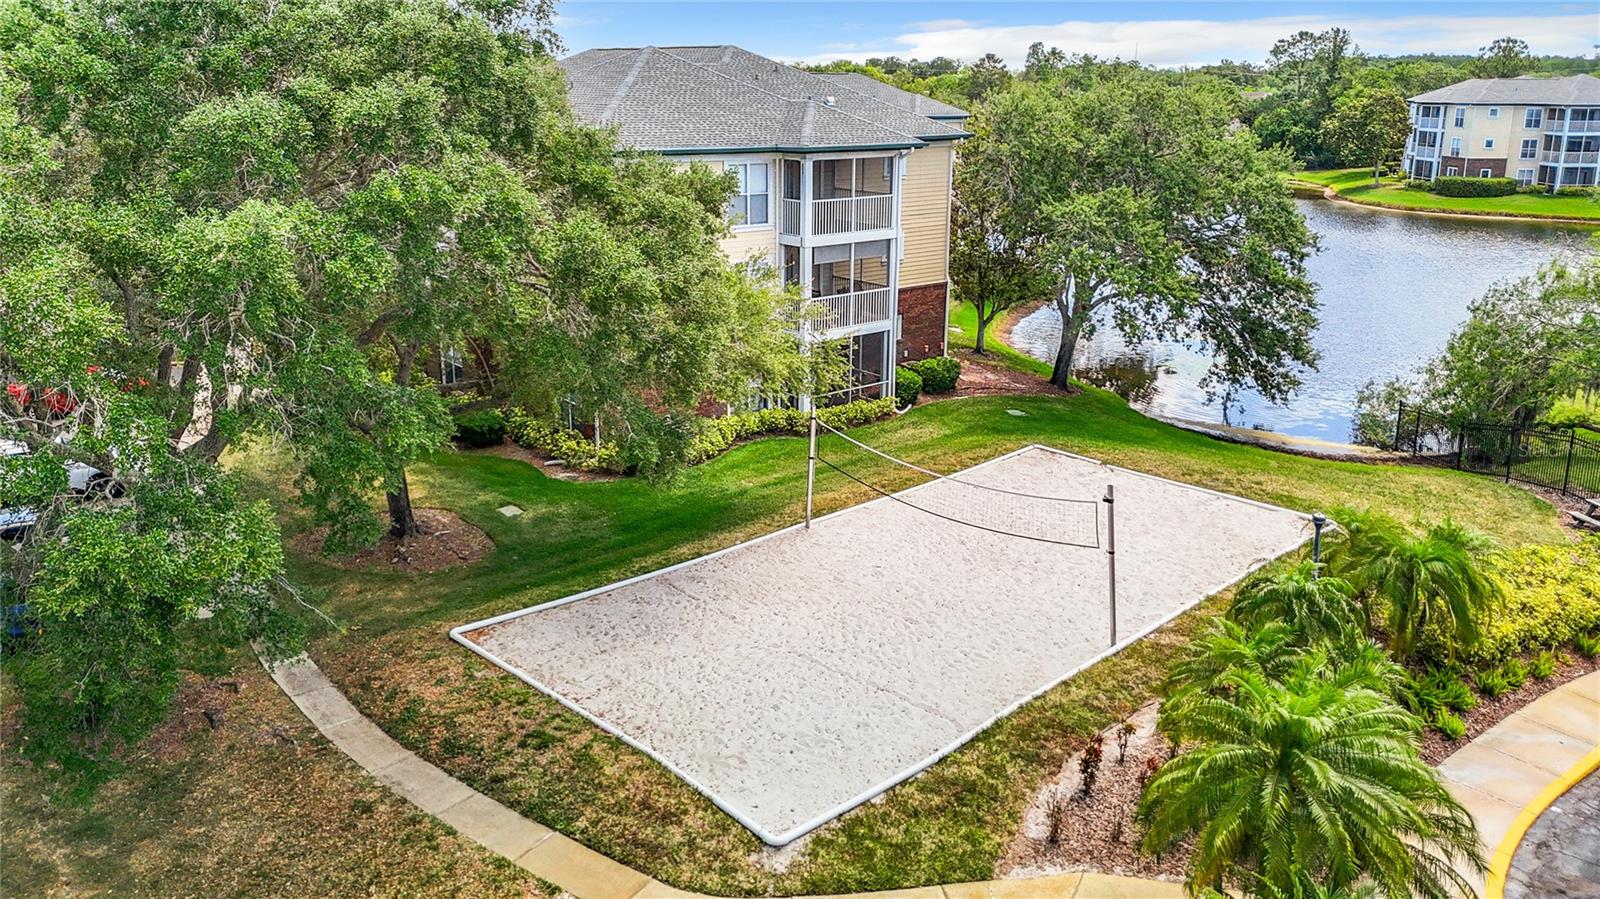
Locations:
column 238, row 811
column 964, row 333
column 1356, row 185
column 949, row 824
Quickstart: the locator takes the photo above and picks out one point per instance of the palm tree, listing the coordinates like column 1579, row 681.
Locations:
column 1226, row 649
column 1314, row 607
column 1311, row 779
column 1436, row 578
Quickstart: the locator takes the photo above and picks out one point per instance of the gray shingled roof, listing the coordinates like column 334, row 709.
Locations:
column 920, row 104
column 1573, row 90
column 698, row 99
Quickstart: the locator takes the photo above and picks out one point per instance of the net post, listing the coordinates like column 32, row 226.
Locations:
column 1318, row 522
column 1111, row 555
column 811, row 465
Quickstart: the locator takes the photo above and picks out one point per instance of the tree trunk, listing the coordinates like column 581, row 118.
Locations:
column 1377, row 165
column 983, row 326
column 402, row 521
column 1073, row 306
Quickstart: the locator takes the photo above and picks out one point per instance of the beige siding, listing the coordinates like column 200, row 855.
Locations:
column 744, row 243
column 925, row 216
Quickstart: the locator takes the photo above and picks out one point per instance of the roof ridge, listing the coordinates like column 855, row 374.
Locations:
column 808, row 101
column 627, row 82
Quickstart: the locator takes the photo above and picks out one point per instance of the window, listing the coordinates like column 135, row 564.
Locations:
column 1524, row 176
column 1461, row 116
column 1451, row 171
column 1455, row 146
column 749, row 203
column 1488, row 143
column 1533, row 117
column 1494, row 112
column 1530, row 148
column 451, row 368
column 1485, row 173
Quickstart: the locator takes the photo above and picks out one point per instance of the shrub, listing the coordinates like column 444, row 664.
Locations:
column 1575, row 191
column 485, row 427
column 1514, row 672
column 1449, row 724
column 717, row 434
column 1437, row 690
column 1551, row 595
column 570, row 446
column 1533, row 189
column 1455, row 186
column 939, row 374
column 907, row 386
column 1418, row 184
column 1588, row 645
column 1491, row 683
column 1543, row 665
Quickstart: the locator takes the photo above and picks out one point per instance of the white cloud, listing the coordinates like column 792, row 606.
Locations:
column 1173, row 42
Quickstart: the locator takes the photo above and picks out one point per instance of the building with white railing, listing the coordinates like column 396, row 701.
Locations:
column 1535, row 130
column 843, row 183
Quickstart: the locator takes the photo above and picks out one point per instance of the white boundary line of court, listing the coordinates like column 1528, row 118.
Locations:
column 458, row 634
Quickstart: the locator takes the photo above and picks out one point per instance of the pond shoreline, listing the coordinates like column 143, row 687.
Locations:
column 1312, row 190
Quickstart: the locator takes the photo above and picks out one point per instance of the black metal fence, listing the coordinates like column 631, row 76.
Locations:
column 1554, row 458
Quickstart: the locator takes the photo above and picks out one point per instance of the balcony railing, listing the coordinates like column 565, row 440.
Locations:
column 1558, row 127
column 791, row 216
column 841, row 215
column 1571, row 158
column 847, row 310
column 1429, row 123
column 1425, row 152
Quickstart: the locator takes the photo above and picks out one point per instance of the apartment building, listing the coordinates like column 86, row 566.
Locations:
column 1535, row 130
column 843, row 182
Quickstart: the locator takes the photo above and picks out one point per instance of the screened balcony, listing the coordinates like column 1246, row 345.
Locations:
column 850, row 285
column 846, row 196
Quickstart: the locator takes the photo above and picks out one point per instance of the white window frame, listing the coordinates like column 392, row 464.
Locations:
column 1461, row 117
column 1451, row 171
column 1488, row 143
column 1530, row 148
column 1494, row 112
column 1486, row 173
column 452, row 366
column 742, row 170
column 1524, row 177
column 1533, row 117
column 1455, row 146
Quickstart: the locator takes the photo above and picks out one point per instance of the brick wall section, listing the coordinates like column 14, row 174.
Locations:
column 1469, row 167
column 922, row 321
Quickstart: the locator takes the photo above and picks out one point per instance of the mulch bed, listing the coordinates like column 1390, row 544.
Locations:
column 979, row 378
column 1489, row 712
column 447, row 541
column 1097, row 832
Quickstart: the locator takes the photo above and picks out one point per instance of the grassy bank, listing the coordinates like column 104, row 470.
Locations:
column 1356, row 185
column 964, row 336
column 300, row 815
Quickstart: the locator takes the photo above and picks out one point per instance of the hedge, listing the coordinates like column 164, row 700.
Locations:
column 907, row 386
column 561, row 443
column 1552, row 596
column 1455, row 186
column 717, row 434
column 1575, row 190
column 715, row 437
column 485, row 427
column 939, row 374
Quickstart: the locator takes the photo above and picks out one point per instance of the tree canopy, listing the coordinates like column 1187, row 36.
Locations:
column 253, row 219
column 1142, row 208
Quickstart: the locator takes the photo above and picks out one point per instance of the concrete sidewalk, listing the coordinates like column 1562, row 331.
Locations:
column 570, row 865
column 1507, row 769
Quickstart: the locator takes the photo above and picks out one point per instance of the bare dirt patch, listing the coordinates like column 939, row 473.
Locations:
column 447, row 541
column 1063, row 830
column 979, row 378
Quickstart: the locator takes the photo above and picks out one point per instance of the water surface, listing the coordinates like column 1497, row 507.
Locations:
column 1393, row 286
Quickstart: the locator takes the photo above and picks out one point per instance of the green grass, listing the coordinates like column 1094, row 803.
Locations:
column 964, row 334
column 949, row 824
column 1356, row 185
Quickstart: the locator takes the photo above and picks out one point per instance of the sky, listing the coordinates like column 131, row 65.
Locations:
column 1163, row 34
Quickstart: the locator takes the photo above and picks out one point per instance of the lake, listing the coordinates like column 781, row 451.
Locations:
column 1393, row 286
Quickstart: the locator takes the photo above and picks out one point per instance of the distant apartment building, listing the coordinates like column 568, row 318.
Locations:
column 1535, row 130
column 844, row 182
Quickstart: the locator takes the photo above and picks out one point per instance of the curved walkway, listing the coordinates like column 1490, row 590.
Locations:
column 569, row 864
column 1560, row 856
column 1505, row 777
column 1510, row 773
